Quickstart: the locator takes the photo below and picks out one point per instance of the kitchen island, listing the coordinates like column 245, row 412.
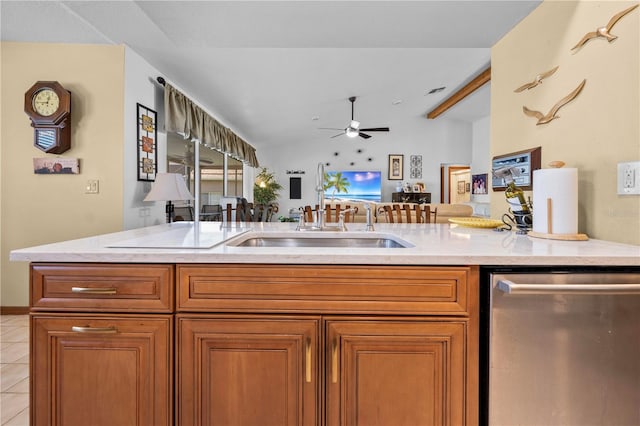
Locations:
column 141, row 327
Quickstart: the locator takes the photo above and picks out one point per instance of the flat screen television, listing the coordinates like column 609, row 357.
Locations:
column 353, row 186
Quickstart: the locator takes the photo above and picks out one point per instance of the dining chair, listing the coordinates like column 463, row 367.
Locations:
column 410, row 212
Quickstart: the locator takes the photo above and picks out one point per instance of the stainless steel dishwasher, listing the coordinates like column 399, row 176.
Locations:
column 564, row 349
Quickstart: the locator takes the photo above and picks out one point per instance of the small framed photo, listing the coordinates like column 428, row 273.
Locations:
column 417, row 188
column 461, row 187
column 396, row 167
column 467, row 187
column 56, row 166
column 479, row 184
column 147, row 144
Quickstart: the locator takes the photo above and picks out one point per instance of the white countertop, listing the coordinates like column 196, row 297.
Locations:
column 434, row 244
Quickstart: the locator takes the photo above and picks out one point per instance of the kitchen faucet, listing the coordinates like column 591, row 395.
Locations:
column 320, row 193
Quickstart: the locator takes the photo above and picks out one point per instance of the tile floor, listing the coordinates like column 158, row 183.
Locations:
column 14, row 370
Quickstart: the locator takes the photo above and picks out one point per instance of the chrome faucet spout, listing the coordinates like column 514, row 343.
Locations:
column 320, row 193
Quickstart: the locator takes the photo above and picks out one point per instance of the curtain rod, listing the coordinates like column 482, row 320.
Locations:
column 161, row 80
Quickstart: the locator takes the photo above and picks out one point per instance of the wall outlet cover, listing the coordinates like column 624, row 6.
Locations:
column 629, row 178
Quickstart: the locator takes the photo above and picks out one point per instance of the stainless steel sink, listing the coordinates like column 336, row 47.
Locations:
column 338, row 240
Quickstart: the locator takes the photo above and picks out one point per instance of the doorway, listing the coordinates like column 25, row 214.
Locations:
column 455, row 184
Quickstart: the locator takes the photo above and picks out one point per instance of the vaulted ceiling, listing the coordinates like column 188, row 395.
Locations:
column 276, row 71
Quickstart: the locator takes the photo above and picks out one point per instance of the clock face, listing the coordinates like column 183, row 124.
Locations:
column 46, row 102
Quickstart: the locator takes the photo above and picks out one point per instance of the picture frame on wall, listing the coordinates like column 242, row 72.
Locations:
column 461, row 187
column 147, row 141
column 396, row 167
column 479, row 184
column 524, row 163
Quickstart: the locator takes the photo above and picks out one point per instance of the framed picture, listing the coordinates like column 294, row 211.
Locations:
column 461, row 187
column 56, row 166
column 417, row 188
column 147, row 143
column 521, row 163
column 479, row 184
column 415, row 166
column 396, row 167
column 467, row 187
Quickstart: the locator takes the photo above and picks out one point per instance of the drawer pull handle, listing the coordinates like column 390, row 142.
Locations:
column 334, row 361
column 89, row 290
column 308, row 361
column 79, row 329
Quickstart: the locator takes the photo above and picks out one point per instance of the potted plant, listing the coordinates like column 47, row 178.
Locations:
column 265, row 188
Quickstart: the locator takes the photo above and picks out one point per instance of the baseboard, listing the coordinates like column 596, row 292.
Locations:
column 14, row 310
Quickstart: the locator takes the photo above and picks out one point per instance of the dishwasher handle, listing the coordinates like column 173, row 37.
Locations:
column 510, row 287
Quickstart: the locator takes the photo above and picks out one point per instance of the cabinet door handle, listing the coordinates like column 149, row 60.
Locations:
column 89, row 290
column 308, row 361
column 334, row 361
column 79, row 329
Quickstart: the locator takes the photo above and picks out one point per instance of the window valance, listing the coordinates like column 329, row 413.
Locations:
column 184, row 117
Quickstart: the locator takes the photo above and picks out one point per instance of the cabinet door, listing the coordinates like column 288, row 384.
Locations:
column 397, row 373
column 101, row 370
column 247, row 371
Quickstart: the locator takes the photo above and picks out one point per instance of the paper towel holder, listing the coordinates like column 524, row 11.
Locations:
column 549, row 234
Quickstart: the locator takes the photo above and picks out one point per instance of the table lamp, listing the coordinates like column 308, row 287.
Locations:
column 169, row 187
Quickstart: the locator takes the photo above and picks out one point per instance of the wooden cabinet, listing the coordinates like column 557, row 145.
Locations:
column 255, row 344
column 409, row 358
column 247, row 371
column 401, row 373
column 102, row 344
column 411, row 197
column 101, row 370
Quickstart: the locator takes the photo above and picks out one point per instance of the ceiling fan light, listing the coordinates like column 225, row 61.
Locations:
column 351, row 132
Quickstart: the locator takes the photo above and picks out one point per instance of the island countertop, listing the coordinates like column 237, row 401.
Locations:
column 431, row 244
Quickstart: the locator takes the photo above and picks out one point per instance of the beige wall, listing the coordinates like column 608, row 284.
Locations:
column 39, row 209
column 600, row 128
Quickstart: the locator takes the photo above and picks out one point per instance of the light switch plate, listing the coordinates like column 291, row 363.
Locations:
column 92, row 187
column 629, row 178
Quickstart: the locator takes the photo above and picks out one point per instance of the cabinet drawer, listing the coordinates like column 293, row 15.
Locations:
column 411, row 290
column 108, row 288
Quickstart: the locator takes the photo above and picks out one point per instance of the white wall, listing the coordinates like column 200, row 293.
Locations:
column 140, row 87
column 480, row 157
column 438, row 141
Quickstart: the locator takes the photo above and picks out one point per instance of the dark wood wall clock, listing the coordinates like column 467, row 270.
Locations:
column 48, row 105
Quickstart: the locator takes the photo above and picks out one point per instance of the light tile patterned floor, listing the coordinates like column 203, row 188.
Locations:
column 14, row 370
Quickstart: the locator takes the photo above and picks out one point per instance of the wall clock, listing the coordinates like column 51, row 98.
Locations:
column 48, row 105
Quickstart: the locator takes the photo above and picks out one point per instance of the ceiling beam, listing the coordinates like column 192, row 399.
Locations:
column 468, row 89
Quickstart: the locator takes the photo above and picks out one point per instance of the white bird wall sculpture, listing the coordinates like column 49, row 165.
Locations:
column 551, row 115
column 537, row 80
column 604, row 31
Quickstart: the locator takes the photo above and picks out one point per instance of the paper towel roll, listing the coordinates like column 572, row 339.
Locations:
column 561, row 186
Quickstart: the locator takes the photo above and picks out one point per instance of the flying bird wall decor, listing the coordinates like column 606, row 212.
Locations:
column 551, row 115
column 604, row 32
column 537, row 80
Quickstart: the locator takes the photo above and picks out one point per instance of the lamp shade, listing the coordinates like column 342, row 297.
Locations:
column 168, row 187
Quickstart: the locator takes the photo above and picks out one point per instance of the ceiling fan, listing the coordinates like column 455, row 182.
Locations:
column 354, row 129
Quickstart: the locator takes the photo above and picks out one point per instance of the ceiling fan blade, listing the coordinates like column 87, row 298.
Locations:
column 376, row 129
column 329, row 128
column 362, row 135
column 335, row 136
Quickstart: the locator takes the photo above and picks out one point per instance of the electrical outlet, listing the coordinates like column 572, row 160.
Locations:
column 629, row 178
column 92, row 187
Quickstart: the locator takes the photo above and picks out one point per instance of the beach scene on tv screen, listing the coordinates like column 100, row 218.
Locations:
column 353, row 186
